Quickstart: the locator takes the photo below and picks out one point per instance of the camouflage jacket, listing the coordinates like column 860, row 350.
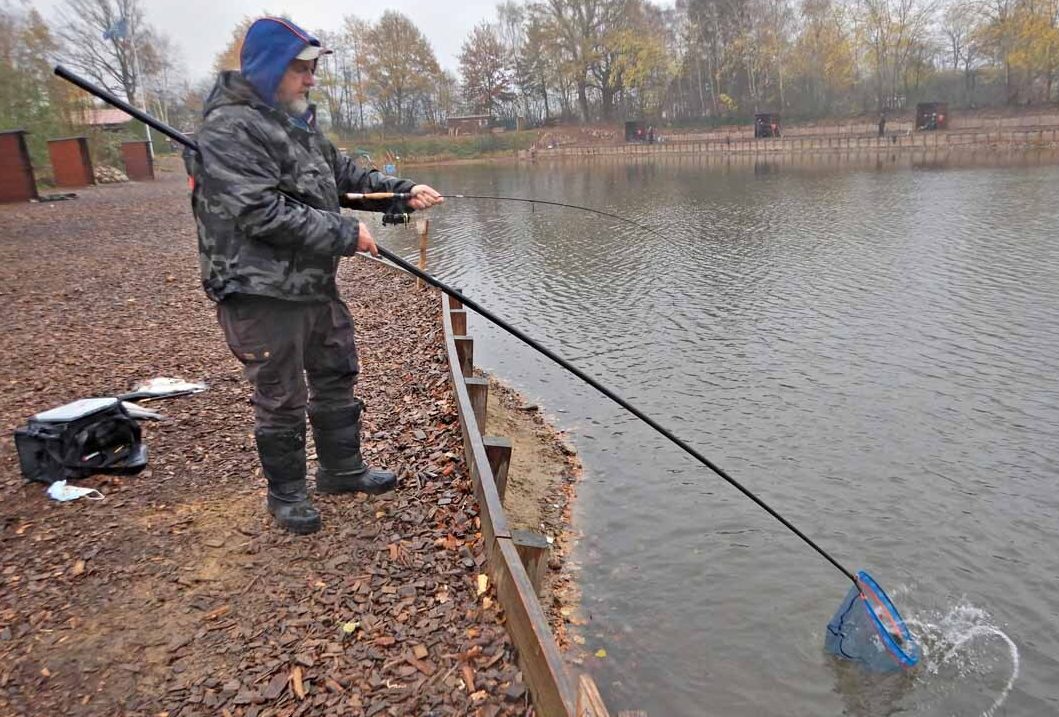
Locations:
column 252, row 238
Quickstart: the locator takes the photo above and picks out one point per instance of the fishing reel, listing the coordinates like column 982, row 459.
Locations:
column 397, row 213
column 394, row 218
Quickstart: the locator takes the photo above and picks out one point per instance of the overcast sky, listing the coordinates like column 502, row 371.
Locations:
column 201, row 28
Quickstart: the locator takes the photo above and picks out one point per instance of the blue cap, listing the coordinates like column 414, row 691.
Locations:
column 270, row 45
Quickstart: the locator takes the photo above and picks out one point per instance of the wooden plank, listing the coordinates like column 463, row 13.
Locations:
column 465, row 354
column 542, row 664
column 478, row 392
column 459, row 322
column 533, row 548
column 455, row 303
column 589, row 701
column 498, row 450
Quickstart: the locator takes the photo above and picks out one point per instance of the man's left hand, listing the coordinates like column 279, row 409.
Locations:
column 424, row 197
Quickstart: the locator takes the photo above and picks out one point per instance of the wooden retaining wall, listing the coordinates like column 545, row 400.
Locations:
column 916, row 141
column 554, row 690
column 957, row 123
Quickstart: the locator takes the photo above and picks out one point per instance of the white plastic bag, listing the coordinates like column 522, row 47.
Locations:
column 59, row 490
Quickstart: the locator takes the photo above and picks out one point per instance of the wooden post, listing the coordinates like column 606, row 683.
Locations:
column 478, row 392
column 423, row 229
column 533, row 549
column 459, row 322
column 465, row 353
column 454, row 303
column 589, row 701
column 498, row 450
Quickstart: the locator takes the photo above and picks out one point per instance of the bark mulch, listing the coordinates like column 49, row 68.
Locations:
column 176, row 595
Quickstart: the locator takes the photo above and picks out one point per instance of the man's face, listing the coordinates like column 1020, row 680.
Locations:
column 293, row 89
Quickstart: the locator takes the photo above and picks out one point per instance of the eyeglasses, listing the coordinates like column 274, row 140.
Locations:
column 302, row 67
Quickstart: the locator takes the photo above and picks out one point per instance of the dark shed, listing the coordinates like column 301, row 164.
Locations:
column 70, row 161
column 17, row 183
column 138, row 163
column 767, row 124
column 932, row 115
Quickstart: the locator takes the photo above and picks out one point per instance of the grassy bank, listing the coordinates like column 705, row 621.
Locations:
column 416, row 149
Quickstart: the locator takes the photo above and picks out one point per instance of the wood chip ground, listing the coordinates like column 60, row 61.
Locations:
column 176, row 595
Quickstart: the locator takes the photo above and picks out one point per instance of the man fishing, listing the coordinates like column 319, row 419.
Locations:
column 270, row 262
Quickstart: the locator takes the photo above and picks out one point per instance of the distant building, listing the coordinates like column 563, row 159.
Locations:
column 106, row 119
column 468, row 124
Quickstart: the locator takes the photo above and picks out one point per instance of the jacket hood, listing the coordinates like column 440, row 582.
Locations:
column 270, row 45
column 231, row 89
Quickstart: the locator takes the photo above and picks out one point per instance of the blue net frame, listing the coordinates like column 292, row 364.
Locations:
column 867, row 628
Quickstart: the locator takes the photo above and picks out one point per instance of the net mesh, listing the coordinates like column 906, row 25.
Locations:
column 867, row 629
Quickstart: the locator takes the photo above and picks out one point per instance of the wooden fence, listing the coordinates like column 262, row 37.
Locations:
column 1041, row 137
column 516, row 558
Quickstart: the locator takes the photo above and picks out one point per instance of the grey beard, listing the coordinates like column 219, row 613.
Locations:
column 297, row 107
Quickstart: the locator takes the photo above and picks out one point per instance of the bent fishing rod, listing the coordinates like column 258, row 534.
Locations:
column 400, row 217
column 476, row 307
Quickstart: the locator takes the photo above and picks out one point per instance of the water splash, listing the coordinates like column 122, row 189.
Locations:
column 945, row 644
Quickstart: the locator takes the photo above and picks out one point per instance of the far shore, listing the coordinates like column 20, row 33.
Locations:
column 1004, row 129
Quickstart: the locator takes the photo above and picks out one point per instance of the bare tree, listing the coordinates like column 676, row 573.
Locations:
column 894, row 32
column 103, row 39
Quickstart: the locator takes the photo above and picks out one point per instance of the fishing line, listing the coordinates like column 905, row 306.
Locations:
column 399, row 197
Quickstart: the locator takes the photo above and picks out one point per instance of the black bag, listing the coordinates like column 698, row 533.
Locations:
column 93, row 435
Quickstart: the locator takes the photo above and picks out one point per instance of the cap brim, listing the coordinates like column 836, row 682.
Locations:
column 312, row 52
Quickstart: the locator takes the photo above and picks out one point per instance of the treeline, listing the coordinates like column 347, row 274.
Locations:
column 109, row 42
column 699, row 61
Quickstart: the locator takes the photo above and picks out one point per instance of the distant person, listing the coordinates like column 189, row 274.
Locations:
column 882, row 124
column 267, row 193
column 650, row 135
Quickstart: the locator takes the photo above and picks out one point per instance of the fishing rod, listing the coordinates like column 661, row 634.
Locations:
column 398, row 216
column 475, row 306
column 393, row 216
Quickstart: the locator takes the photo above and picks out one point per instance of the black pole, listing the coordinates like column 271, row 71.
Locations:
column 179, row 137
column 411, row 269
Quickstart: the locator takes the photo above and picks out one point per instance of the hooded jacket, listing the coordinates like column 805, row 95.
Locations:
column 269, row 46
column 252, row 239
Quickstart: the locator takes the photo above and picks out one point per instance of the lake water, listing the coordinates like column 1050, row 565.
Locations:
column 871, row 347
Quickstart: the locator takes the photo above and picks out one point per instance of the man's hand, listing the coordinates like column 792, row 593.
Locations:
column 365, row 241
column 424, row 197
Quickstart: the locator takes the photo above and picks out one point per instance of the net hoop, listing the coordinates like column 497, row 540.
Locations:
column 876, row 601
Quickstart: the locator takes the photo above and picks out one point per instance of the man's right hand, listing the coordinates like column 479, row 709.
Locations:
column 365, row 241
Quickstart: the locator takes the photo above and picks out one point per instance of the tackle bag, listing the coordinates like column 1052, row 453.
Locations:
column 92, row 435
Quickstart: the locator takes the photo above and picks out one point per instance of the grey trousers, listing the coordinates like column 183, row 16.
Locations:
column 280, row 344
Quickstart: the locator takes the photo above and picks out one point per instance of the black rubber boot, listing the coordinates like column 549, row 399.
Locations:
column 282, row 453
column 341, row 467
